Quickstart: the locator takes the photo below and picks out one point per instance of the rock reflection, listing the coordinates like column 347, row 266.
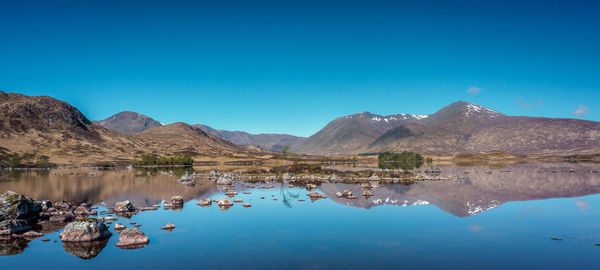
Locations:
column 85, row 250
column 12, row 246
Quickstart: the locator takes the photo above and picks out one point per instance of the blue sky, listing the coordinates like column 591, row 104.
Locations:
column 292, row 66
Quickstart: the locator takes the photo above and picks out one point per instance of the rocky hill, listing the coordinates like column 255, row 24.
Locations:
column 49, row 127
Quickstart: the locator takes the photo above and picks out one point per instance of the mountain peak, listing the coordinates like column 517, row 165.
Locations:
column 129, row 122
column 463, row 109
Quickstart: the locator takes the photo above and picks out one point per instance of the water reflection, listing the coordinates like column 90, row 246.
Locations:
column 480, row 188
column 85, row 250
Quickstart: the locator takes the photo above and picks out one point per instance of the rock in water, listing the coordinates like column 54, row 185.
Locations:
column 84, row 231
column 367, row 193
column 346, row 193
column 231, row 193
column 131, row 238
column 169, row 227
column 16, row 206
column 247, row 205
column 224, row 202
column 177, row 200
column 224, row 180
column 205, row 202
column 119, row 226
column 124, row 206
column 316, row 196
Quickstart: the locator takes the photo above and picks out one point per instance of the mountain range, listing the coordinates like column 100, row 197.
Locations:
column 58, row 130
column 53, row 128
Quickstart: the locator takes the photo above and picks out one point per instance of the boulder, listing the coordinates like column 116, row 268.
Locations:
column 124, row 206
column 16, row 206
column 338, row 194
column 85, row 230
column 169, row 226
column 131, row 238
column 224, row 202
column 119, row 226
column 205, row 202
column 80, row 210
column 177, row 200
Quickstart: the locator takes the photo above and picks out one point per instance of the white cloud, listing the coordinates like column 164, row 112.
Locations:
column 582, row 204
column 474, row 90
column 581, row 110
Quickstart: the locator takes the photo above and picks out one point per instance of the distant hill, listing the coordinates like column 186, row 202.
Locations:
column 128, row 122
column 273, row 142
column 131, row 122
column 352, row 133
column 50, row 127
column 471, row 128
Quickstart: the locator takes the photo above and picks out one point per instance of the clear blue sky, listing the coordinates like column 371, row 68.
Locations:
column 292, row 66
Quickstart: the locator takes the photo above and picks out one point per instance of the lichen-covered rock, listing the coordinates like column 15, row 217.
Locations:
column 16, row 206
column 124, row 206
column 84, row 231
column 132, row 238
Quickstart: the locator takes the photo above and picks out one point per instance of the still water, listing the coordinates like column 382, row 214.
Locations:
column 489, row 217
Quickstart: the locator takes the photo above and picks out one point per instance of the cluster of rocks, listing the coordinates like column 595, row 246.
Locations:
column 175, row 203
column 188, row 179
column 19, row 214
column 345, row 194
column 315, row 196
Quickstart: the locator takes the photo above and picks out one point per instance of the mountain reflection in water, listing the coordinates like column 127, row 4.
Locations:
column 475, row 190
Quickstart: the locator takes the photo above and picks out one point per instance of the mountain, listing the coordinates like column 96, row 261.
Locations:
column 483, row 189
column 128, row 122
column 273, row 142
column 50, row 127
column 471, row 128
column 352, row 133
column 132, row 122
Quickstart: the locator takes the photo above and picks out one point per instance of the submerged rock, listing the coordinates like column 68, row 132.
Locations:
column 85, row 231
column 132, row 238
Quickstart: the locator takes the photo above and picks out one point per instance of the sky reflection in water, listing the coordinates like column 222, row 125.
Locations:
column 513, row 233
